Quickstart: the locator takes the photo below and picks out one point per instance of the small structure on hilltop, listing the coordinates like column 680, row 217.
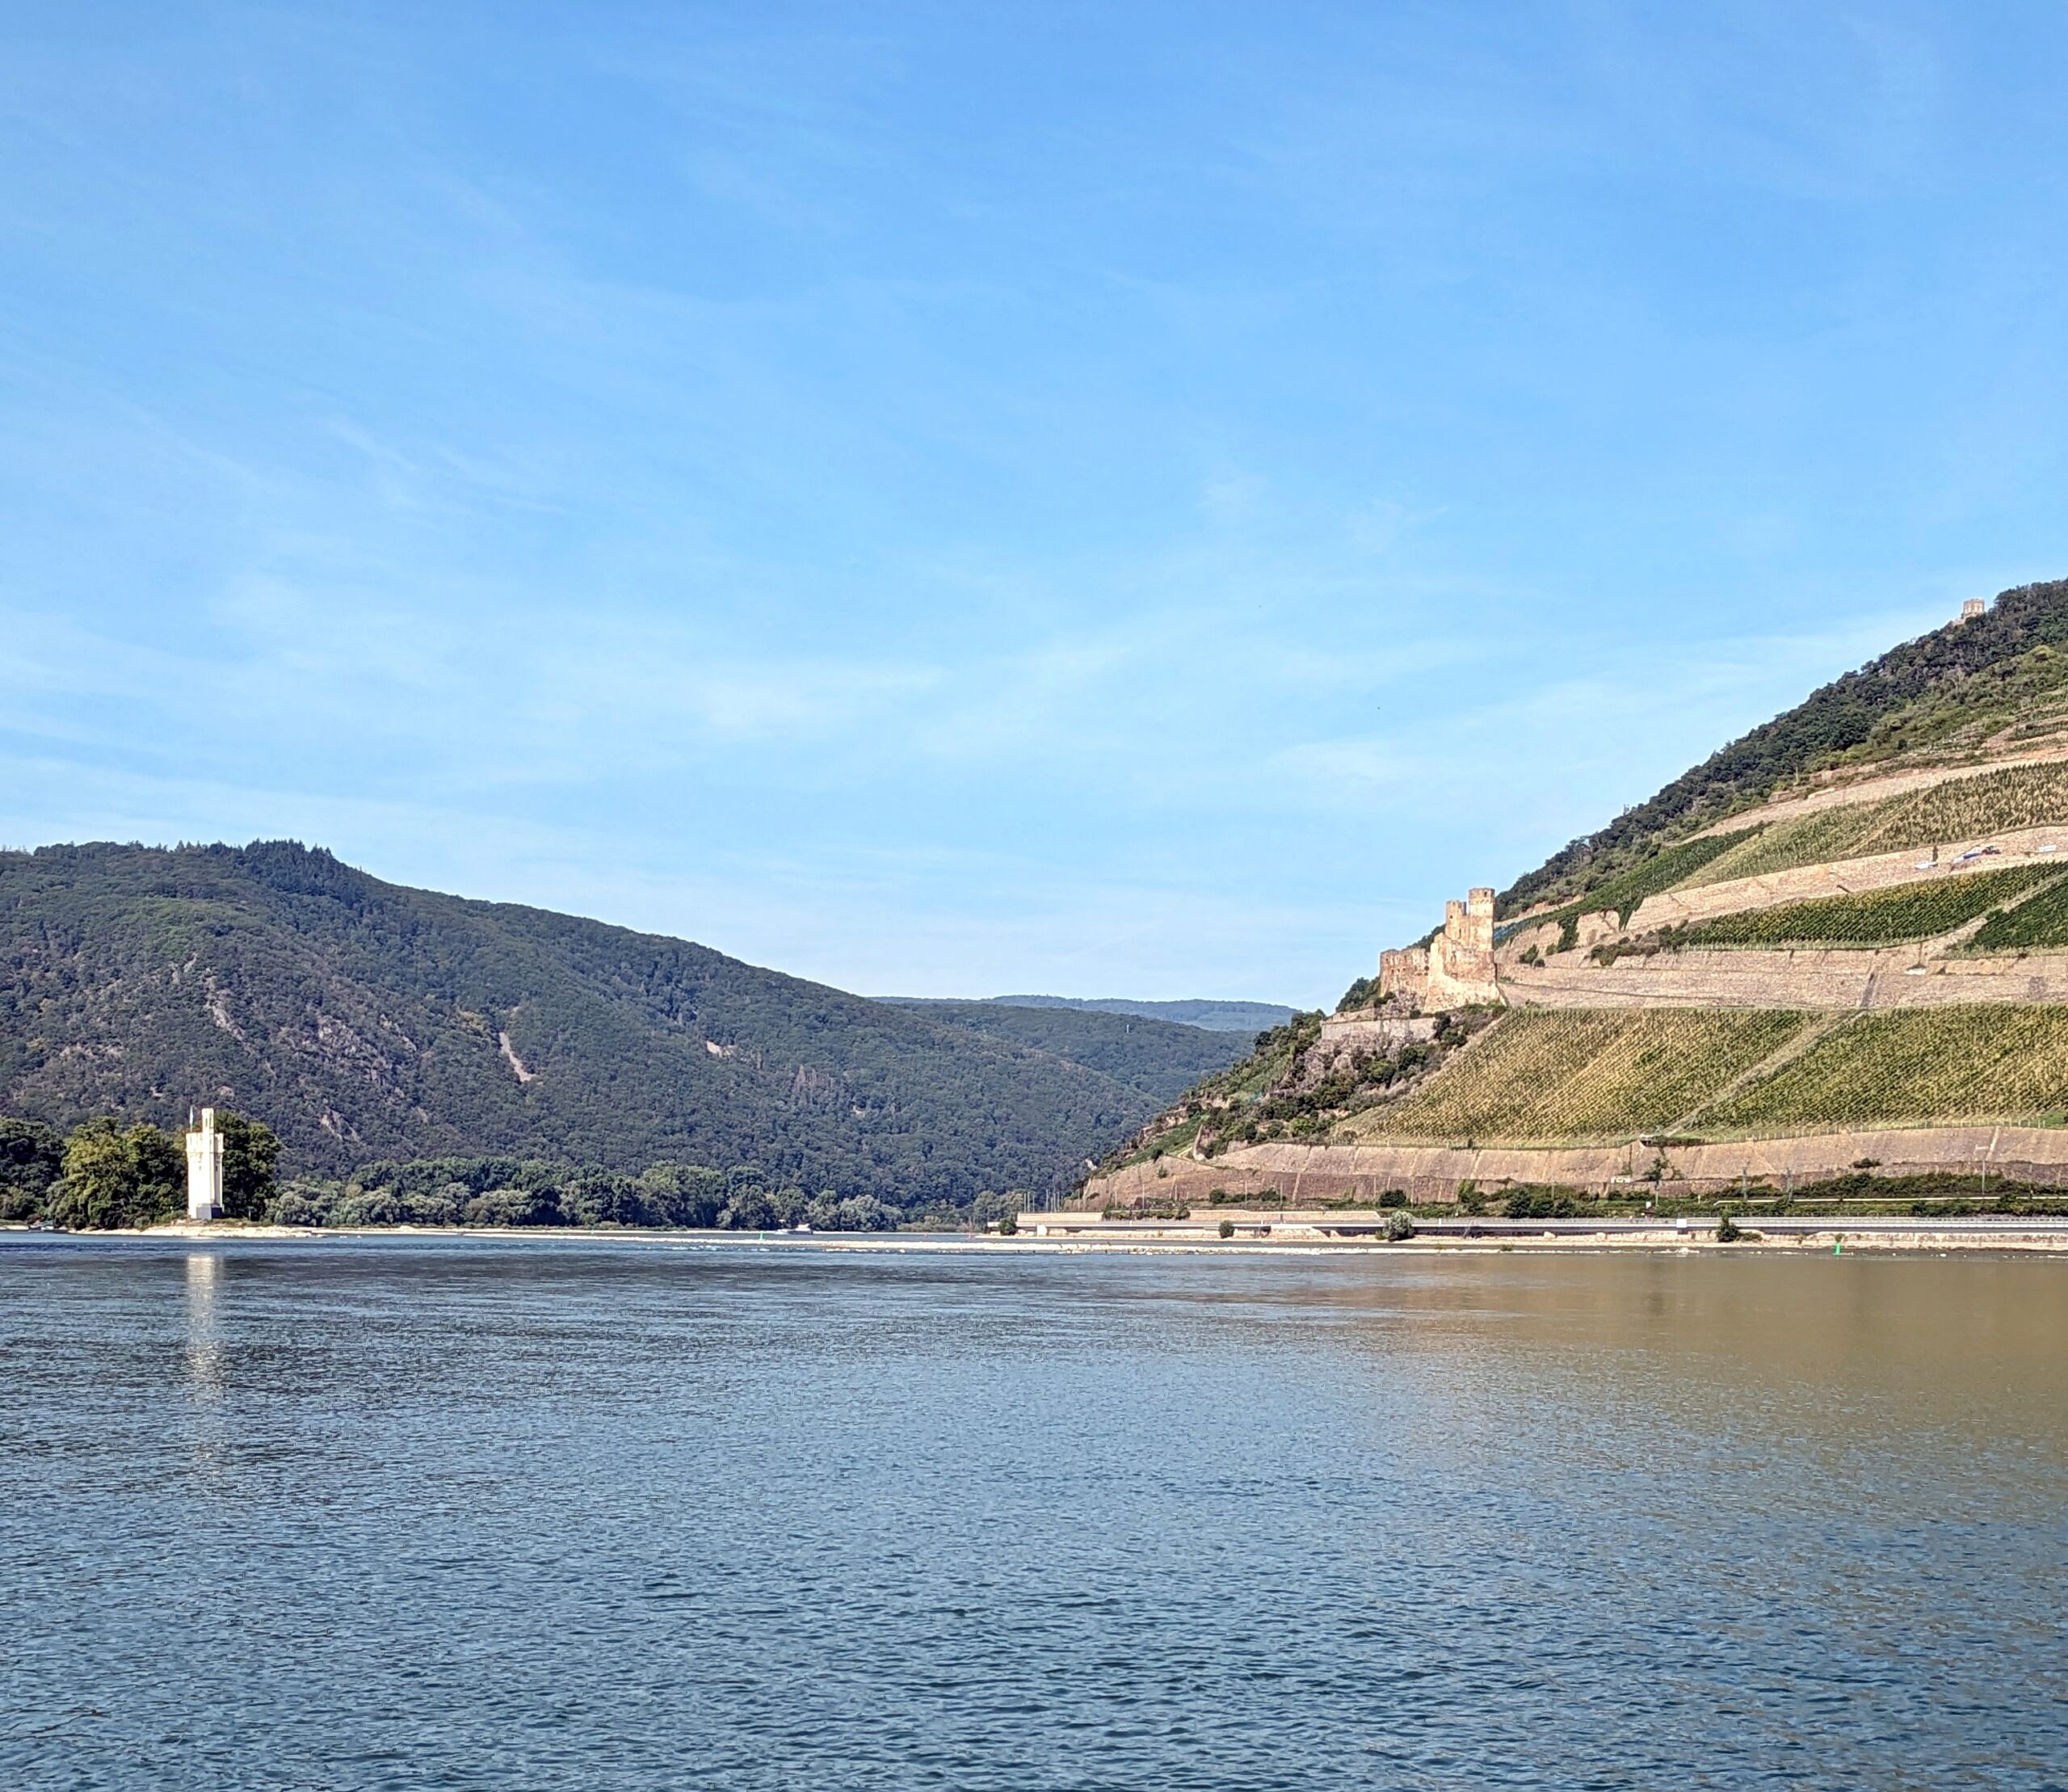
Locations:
column 1974, row 607
column 204, row 1169
column 1455, row 970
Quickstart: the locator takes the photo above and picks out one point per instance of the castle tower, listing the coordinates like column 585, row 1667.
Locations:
column 204, row 1169
column 1456, row 969
column 1974, row 607
column 1478, row 930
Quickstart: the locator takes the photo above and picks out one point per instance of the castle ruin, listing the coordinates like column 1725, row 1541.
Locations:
column 1455, row 970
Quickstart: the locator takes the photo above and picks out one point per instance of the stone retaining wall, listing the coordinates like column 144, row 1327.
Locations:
column 1720, row 979
column 1432, row 1173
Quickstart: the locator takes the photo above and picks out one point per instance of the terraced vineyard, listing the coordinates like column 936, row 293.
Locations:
column 1674, row 864
column 1965, row 809
column 1881, row 917
column 2041, row 923
column 1993, row 1061
column 1541, row 1074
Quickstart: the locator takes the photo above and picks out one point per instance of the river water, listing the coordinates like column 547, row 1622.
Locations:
column 456, row 1513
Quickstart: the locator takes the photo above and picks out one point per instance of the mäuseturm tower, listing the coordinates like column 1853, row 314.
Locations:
column 204, row 1169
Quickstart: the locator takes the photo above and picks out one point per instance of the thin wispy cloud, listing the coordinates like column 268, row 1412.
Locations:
column 1149, row 501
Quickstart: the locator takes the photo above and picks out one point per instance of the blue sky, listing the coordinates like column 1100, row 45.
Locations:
column 957, row 498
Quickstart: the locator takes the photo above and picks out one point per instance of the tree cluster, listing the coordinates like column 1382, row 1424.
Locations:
column 106, row 1176
column 518, row 1191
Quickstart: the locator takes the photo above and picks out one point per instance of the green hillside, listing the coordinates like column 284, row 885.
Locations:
column 1156, row 1058
column 1246, row 1018
column 2002, row 1062
column 1962, row 809
column 1572, row 1075
column 1965, row 696
column 363, row 1019
column 2000, row 677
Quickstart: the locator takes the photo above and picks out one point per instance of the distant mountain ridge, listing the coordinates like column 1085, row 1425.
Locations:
column 363, row 1019
column 1213, row 1016
column 1160, row 1058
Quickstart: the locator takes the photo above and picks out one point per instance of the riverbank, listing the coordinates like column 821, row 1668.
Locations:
column 1065, row 1235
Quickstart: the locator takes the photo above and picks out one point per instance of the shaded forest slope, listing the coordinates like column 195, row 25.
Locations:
column 1157, row 1059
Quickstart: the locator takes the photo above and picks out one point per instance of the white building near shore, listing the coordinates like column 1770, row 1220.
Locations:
column 204, row 1169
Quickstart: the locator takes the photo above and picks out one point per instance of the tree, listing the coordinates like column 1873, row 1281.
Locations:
column 31, row 1159
column 114, row 1178
column 685, row 1194
column 251, row 1153
column 750, row 1210
column 866, row 1214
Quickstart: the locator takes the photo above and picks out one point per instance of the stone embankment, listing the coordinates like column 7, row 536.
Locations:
column 1320, row 1229
column 1366, row 1029
column 1427, row 1173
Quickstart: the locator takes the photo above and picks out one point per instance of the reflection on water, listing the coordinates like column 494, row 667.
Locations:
column 650, row 1515
column 204, row 1344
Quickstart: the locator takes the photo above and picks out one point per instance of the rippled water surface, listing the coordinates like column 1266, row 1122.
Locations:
column 451, row 1514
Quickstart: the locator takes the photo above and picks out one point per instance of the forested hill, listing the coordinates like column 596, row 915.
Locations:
column 363, row 1019
column 1983, row 670
column 1246, row 1018
column 1159, row 1058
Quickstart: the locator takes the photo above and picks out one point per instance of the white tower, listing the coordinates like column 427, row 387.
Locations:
column 204, row 1169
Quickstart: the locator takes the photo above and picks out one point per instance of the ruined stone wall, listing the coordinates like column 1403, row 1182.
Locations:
column 1381, row 1034
column 1405, row 973
column 1456, row 969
